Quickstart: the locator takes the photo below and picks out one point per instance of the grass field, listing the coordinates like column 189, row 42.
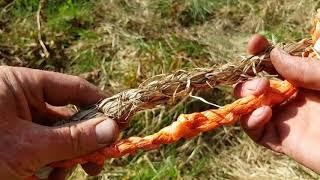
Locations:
column 117, row 44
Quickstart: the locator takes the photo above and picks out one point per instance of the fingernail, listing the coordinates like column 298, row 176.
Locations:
column 258, row 112
column 253, row 84
column 106, row 131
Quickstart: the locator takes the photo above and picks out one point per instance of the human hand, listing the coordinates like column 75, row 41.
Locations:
column 291, row 129
column 29, row 98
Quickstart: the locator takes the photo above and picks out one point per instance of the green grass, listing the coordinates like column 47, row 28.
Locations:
column 130, row 41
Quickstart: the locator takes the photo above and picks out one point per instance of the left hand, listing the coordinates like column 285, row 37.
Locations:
column 29, row 98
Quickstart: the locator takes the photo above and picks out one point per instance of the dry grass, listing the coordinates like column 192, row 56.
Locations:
column 118, row 44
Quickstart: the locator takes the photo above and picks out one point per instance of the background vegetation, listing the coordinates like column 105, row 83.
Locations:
column 117, row 44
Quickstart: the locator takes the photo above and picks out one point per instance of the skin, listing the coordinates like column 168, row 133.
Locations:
column 291, row 129
column 29, row 98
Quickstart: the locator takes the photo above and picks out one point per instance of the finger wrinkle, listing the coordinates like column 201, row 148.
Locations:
column 16, row 91
column 32, row 94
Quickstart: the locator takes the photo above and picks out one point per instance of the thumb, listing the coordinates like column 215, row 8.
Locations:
column 304, row 72
column 80, row 138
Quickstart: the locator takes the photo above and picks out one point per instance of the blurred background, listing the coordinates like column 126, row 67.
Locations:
column 117, row 44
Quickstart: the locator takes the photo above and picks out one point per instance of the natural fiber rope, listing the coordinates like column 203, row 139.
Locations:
column 162, row 89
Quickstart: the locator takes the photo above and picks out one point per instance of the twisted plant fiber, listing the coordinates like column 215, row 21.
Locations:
column 162, row 89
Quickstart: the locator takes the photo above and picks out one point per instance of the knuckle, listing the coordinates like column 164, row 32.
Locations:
column 80, row 84
column 75, row 134
column 302, row 76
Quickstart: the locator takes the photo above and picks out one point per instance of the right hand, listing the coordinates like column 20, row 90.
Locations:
column 292, row 129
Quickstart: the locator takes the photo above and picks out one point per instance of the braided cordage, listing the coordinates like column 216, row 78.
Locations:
column 190, row 125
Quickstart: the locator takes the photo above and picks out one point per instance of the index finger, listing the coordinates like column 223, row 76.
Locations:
column 56, row 88
column 62, row 89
